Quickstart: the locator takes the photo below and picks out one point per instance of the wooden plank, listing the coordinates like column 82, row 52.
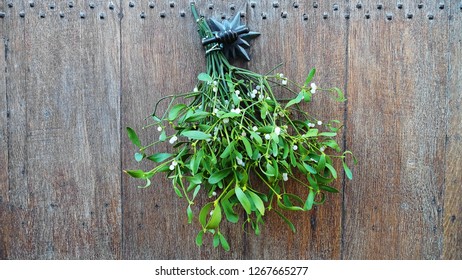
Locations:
column 154, row 219
column 300, row 44
column 3, row 132
column 63, row 95
column 161, row 55
column 452, row 247
column 396, row 126
column 13, row 39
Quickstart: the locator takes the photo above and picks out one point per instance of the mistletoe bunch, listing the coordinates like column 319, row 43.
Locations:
column 238, row 143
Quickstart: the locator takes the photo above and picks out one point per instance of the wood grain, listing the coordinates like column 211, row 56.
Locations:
column 452, row 245
column 160, row 56
column 63, row 94
column 396, row 126
column 72, row 79
column 16, row 123
column 3, row 137
column 300, row 45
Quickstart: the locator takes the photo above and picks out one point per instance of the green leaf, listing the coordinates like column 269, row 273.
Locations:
column 332, row 170
column 223, row 242
column 228, row 209
column 270, row 171
column 347, row 171
column 178, row 192
column 196, row 179
column 287, row 221
column 312, row 132
column 216, row 240
column 229, row 115
column 257, row 202
column 133, row 137
column 219, row 175
column 333, row 144
column 196, row 116
column 313, row 183
column 266, row 129
column 204, row 213
column 296, row 100
column 293, row 160
column 248, row 147
column 340, row 96
column 328, row 189
column 196, row 161
column 159, row 157
column 243, row 199
column 328, row 134
column 135, row 173
column 196, row 134
column 285, row 146
column 175, row 111
column 289, row 207
column 321, row 162
column 190, row 214
column 309, row 201
column 264, row 111
column 309, row 168
column 163, row 136
column 307, row 95
column 228, row 150
column 139, row 157
column 196, row 191
column 310, row 77
column 204, row 77
column 257, row 138
column 199, row 238
column 215, row 219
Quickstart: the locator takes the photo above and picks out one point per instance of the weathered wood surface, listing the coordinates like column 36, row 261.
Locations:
column 397, row 91
column 452, row 226
column 3, row 141
column 71, row 83
column 300, row 45
column 62, row 197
